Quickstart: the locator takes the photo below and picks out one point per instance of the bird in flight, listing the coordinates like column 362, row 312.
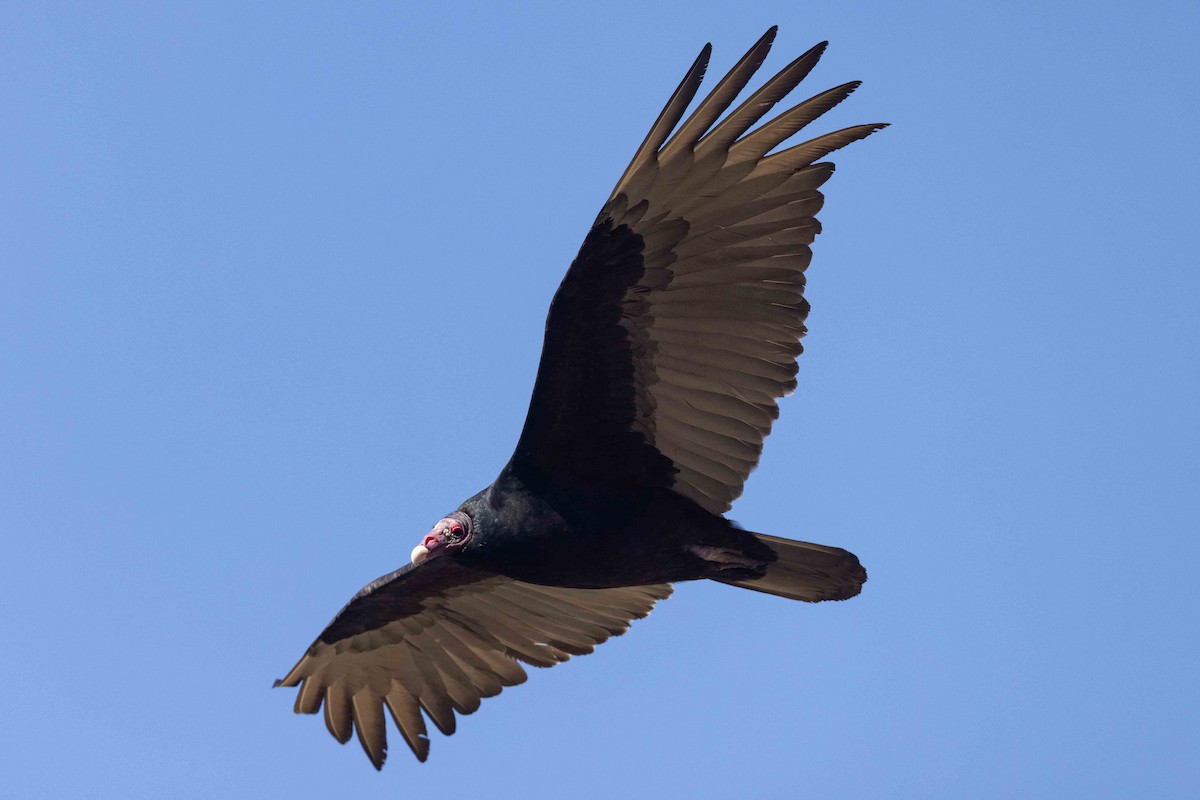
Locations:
column 667, row 347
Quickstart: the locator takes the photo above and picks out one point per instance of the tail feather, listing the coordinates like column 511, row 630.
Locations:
column 808, row 572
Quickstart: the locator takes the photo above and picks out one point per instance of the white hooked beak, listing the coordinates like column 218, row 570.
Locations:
column 419, row 553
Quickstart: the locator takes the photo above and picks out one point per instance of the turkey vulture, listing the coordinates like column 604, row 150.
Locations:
column 667, row 347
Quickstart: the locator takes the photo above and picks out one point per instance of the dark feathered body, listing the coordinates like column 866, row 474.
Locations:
column 594, row 537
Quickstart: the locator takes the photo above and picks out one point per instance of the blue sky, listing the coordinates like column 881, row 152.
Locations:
column 272, row 282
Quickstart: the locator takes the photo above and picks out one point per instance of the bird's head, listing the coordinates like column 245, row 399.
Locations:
column 449, row 535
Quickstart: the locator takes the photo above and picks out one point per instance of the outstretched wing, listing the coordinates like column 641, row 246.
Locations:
column 439, row 637
column 677, row 327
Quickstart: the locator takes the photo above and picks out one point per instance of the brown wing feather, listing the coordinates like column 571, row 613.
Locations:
column 439, row 637
column 677, row 327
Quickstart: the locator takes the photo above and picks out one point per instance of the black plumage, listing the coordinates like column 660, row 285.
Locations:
column 668, row 345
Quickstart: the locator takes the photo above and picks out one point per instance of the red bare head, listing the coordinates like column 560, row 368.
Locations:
column 449, row 535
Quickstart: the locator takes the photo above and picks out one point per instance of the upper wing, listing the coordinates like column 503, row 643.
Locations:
column 677, row 327
column 439, row 636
